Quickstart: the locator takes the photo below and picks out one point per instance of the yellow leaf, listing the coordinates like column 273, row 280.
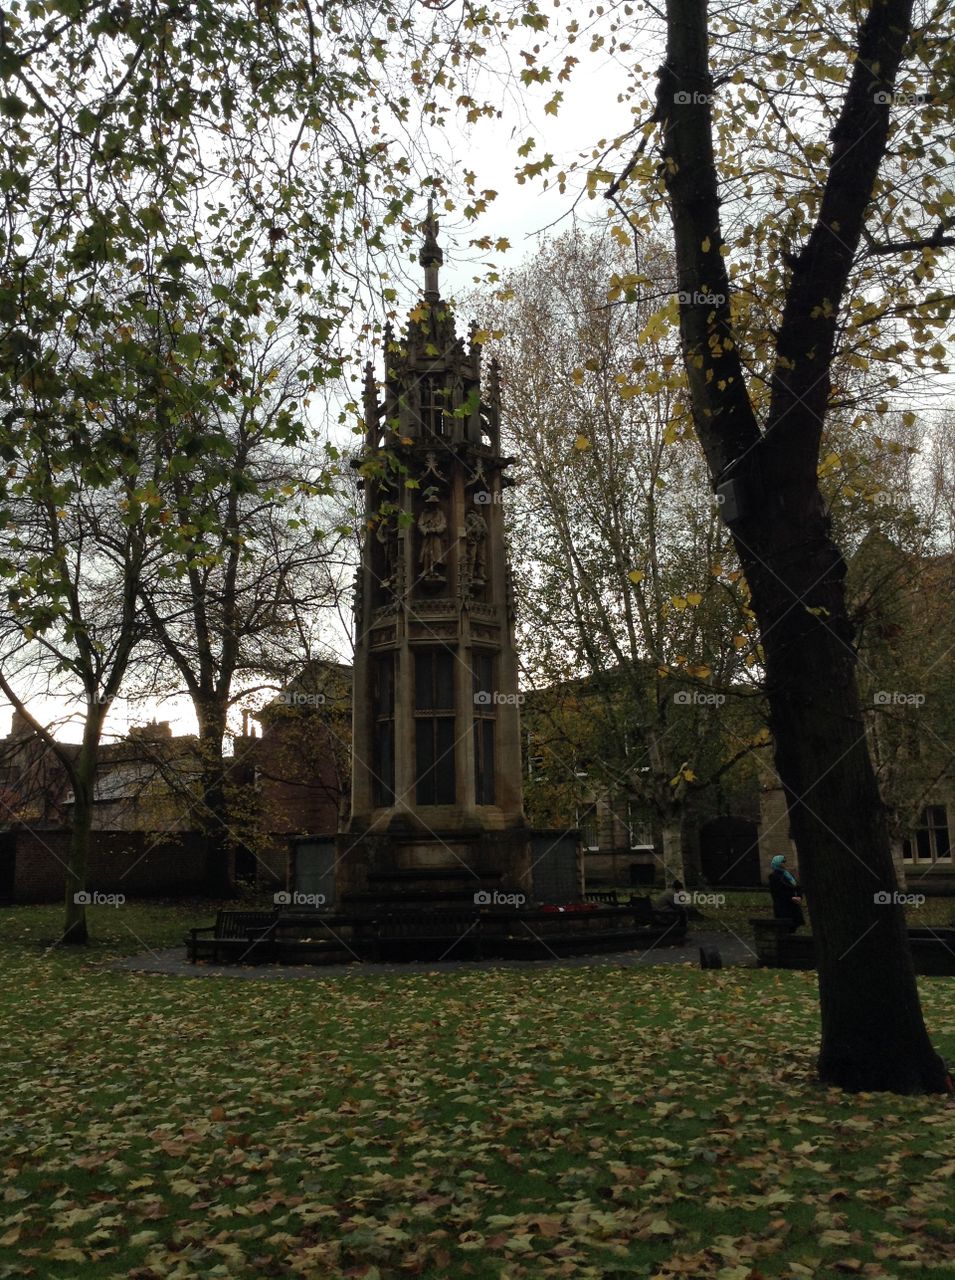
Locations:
column 678, row 602
column 581, row 443
column 693, row 597
column 705, row 246
column 660, row 1227
column 577, row 377
column 636, row 575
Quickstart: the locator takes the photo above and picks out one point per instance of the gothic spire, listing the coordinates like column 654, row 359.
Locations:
column 431, row 255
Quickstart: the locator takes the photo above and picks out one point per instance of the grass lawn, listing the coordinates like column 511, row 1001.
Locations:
column 521, row 1123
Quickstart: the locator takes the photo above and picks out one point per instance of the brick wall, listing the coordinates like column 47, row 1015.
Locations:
column 120, row 862
column 302, row 776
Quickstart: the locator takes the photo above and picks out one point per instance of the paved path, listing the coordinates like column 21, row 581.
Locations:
column 173, row 963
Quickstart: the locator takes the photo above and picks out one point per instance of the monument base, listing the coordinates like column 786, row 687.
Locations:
column 390, row 872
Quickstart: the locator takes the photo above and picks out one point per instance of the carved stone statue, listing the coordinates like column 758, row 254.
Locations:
column 432, row 526
column 387, row 536
column 475, row 531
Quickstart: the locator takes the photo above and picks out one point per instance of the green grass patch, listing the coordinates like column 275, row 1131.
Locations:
column 130, row 929
column 590, row 1122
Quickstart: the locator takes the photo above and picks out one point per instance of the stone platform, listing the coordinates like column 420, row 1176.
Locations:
column 173, row 962
column 465, row 932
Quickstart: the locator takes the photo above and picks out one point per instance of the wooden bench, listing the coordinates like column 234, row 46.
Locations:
column 235, row 936
column 443, row 932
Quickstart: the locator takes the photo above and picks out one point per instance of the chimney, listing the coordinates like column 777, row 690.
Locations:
column 19, row 725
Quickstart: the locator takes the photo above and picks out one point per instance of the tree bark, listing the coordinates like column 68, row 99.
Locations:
column 873, row 1034
column 83, row 780
column 212, row 812
column 75, row 930
column 672, row 839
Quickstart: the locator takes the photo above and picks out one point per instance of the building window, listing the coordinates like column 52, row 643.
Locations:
column 383, row 733
column 434, row 725
column 930, row 841
column 484, row 719
column 639, row 826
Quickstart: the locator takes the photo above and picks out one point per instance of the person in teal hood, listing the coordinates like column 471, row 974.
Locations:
column 787, row 895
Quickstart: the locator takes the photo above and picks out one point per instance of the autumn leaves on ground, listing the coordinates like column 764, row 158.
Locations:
column 542, row 1122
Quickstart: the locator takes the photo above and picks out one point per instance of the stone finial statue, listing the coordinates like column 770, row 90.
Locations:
column 432, row 526
column 431, row 255
column 475, row 532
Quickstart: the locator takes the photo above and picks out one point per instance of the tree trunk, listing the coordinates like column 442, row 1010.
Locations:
column 873, row 1035
column 216, row 846
column 212, row 813
column 692, row 856
column 672, row 839
column 75, row 931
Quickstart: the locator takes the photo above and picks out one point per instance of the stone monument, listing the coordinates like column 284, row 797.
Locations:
column 437, row 815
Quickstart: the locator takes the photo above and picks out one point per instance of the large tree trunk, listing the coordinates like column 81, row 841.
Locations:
column 213, row 810
column 75, row 931
column 873, row 1035
column 672, row 839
